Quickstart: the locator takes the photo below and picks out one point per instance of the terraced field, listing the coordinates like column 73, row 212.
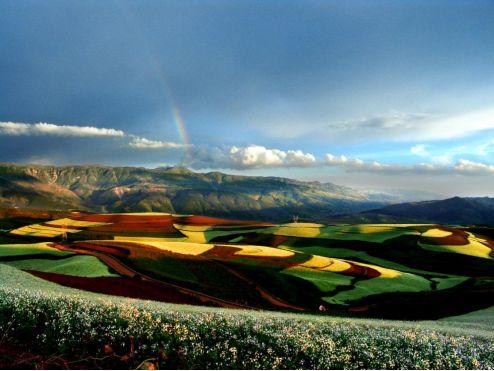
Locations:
column 399, row 271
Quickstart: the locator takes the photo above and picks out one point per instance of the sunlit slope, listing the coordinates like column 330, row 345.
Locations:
column 391, row 270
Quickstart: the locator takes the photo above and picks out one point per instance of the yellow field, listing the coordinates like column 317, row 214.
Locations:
column 184, row 248
column 385, row 272
column 250, row 250
column 325, row 264
column 67, row 223
column 436, row 233
column 192, row 248
column 475, row 247
column 362, row 232
column 149, row 239
column 38, row 230
column 205, row 233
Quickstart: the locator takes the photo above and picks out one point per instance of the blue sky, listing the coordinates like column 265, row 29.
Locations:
column 381, row 94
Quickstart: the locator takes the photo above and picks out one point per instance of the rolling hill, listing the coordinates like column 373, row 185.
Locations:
column 371, row 269
column 159, row 290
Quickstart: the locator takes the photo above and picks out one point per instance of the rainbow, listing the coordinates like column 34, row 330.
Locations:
column 175, row 110
column 177, row 120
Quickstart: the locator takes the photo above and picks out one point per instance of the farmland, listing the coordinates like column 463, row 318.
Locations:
column 217, row 287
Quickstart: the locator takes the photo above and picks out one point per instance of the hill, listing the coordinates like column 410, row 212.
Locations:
column 72, row 290
column 456, row 210
column 179, row 190
column 405, row 271
column 59, row 327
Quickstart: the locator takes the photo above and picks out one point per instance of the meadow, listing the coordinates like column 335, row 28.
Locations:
column 72, row 327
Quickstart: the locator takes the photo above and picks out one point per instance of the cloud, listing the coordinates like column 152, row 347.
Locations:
column 17, row 128
column 260, row 157
column 473, row 168
column 462, row 167
column 143, row 143
column 406, row 126
column 299, row 158
column 249, row 157
column 356, row 164
column 387, row 121
column 254, row 156
column 420, row 150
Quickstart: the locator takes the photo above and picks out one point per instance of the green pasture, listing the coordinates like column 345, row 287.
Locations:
column 43, row 258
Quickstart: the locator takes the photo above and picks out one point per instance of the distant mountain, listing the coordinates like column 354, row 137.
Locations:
column 178, row 190
column 456, row 210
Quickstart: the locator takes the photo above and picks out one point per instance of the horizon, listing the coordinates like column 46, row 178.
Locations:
column 314, row 91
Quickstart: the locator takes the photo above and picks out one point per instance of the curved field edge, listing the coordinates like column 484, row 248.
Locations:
column 49, row 319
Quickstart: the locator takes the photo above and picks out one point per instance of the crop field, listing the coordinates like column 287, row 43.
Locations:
column 430, row 282
column 402, row 271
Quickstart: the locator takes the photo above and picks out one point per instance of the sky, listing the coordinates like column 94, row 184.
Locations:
column 370, row 94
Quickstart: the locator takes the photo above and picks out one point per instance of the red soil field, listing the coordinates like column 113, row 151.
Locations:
column 457, row 237
column 165, row 220
column 121, row 286
column 360, row 271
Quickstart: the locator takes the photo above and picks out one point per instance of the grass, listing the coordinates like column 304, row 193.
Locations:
column 43, row 258
column 50, row 319
column 41, row 248
column 364, row 232
column 80, row 265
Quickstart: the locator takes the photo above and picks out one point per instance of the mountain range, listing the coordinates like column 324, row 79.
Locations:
column 180, row 190
column 455, row 210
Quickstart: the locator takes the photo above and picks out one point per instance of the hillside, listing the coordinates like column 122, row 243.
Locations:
column 157, row 290
column 456, row 210
column 366, row 269
column 132, row 189
column 78, row 329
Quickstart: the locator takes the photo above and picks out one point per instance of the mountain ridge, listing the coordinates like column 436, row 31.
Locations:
column 453, row 210
column 102, row 188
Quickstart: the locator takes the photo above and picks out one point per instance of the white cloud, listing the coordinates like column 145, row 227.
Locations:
column 254, row 156
column 249, row 157
column 299, row 158
column 17, row 128
column 473, row 168
column 403, row 126
column 420, row 150
column 143, row 143
column 355, row 164
column 258, row 157
column 462, row 166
